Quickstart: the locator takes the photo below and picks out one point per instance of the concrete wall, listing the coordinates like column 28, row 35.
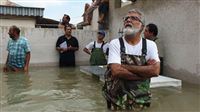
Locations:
column 43, row 42
column 178, row 22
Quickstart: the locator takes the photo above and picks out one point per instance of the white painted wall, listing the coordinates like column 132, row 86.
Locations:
column 3, row 2
column 20, row 22
column 178, row 23
column 43, row 40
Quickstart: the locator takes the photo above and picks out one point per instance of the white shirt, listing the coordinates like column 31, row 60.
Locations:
column 114, row 50
column 90, row 46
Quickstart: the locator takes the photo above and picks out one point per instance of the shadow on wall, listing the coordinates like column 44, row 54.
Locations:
column 182, row 74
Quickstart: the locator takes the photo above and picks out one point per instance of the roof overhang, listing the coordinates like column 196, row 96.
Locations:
column 21, row 11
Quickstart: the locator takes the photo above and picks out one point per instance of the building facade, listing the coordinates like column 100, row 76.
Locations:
column 14, row 14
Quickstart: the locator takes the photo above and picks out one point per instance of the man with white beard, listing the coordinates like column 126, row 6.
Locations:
column 132, row 61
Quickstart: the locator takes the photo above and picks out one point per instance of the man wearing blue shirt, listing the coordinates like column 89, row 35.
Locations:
column 18, row 52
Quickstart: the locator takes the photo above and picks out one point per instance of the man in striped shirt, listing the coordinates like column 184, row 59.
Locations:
column 18, row 52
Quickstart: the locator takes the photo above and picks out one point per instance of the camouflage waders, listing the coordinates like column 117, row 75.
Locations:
column 127, row 94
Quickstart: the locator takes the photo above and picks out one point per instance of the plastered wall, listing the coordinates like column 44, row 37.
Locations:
column 43, row 40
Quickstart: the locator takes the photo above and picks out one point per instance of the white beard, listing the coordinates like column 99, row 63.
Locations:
column 130, row 31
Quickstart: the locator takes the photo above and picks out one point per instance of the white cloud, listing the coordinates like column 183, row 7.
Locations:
column 55, row 9
column 37, row 3
column 45, row 3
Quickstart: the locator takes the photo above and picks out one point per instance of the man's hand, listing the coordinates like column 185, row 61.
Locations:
column 69, row 48
column 63, row 50
column 66, row 49
column 25, row 69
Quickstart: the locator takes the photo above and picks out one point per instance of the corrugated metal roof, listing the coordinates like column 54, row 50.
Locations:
column 21, row 11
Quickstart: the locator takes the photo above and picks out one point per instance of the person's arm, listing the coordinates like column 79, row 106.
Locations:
column 87, row 51
column 89, row 47
column 28, row 56
column 147, row 71
column 118, row 71
column 59, row 49
column 27, row 60
column 152, row 68
column 114, row 62
column 71, row 48
column 74, row 46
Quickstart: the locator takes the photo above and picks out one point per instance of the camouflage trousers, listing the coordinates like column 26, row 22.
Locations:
column 124, row 94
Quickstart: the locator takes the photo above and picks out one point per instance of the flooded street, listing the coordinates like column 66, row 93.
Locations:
column 51, row 89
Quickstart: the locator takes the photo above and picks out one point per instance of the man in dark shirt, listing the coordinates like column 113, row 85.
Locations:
column 151, row 32
column 66, row 45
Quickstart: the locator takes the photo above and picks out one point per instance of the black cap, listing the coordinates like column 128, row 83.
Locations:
column 102, row 32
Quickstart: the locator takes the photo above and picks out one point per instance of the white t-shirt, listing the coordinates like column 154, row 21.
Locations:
column 114, row 50
column 90, row 46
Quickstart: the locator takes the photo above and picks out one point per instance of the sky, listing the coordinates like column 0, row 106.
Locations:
column 55, row 9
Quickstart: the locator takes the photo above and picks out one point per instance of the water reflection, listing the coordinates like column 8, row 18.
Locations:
column 81, row 92
column 16, row 84
column 51, row 89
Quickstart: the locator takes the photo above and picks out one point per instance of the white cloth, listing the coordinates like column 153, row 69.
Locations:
column 90, row 46
column 114, row 50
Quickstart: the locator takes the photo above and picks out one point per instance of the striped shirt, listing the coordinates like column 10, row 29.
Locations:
column 17, row 50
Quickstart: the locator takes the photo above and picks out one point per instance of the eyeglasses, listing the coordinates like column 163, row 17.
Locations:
column 132, row 18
